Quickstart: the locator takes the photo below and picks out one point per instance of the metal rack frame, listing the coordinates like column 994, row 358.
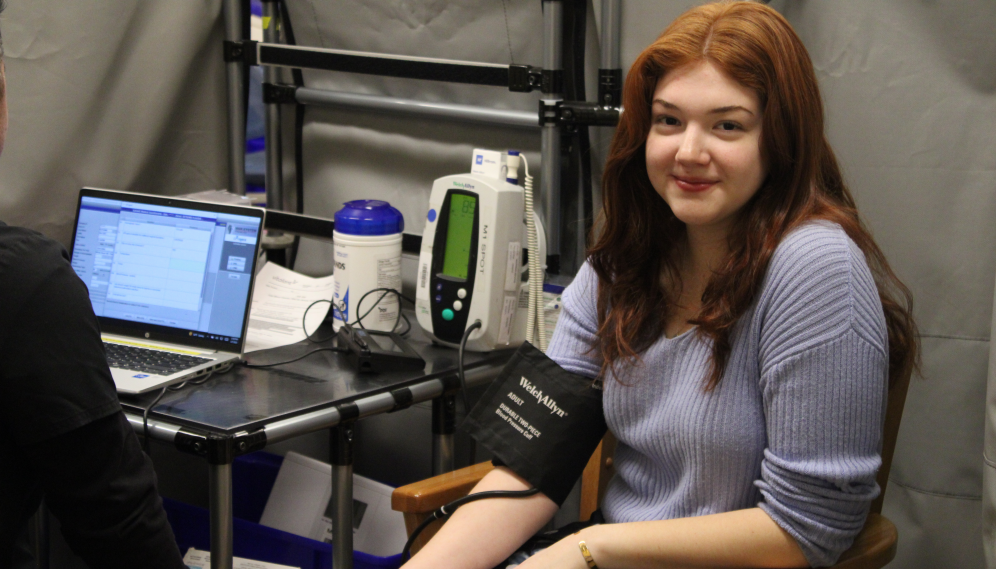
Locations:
column 553, row 114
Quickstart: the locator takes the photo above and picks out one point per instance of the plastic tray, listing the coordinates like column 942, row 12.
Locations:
column 252, row 480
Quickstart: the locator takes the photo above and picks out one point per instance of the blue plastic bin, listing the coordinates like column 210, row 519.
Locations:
column 252, row 480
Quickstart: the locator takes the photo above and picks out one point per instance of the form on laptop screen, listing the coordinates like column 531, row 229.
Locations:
column 177, row 267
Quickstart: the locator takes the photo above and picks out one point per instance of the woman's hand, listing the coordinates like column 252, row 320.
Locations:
column 565, row 554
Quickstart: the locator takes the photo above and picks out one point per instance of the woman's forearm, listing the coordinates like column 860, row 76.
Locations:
column 482, row 534
column 742, row 538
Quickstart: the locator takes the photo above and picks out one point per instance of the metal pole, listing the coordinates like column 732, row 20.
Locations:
column 236, row 107
column 274, row 149
column 443, row 427
column 610, row 68
column 220, row 482
column 342, row 496
column 452, row 111
column 611, row 34
column 550, row 135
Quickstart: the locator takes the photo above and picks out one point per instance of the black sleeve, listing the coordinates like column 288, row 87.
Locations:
column 59, row 407
column 102, row 487
column 52, row 364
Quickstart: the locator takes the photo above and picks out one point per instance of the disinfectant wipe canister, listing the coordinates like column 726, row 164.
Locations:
column 367, row 244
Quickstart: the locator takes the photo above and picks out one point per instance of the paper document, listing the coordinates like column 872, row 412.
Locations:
column 279, row 300
column 301, row 503
column 197, row 559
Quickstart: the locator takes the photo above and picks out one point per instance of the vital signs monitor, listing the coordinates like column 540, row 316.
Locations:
column 470, row 266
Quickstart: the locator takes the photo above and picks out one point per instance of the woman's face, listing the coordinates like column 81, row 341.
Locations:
column 703, row 149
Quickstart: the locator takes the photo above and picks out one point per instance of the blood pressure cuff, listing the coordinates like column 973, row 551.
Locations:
column 540, row 420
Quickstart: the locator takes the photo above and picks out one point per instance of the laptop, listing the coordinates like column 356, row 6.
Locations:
column 170, row 281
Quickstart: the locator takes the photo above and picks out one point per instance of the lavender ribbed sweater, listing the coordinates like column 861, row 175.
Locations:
column 793, row 427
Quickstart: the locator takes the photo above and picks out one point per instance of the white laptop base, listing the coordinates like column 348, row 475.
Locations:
column 133, row 382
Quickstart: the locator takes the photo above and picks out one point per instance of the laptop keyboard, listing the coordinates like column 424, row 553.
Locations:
column 146, row 360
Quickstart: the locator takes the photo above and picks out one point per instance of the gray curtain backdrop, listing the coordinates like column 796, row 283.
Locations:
column 909, row 96
column 130, row 94
column 119, row 94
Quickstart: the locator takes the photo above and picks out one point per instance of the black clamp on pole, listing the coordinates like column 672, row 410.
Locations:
column 549, row 112
column 243, row 51
column 220, row 449
column 572, row 114
column 341, row 435
column 451, row 384
column 524, row 78
column 279, row 93
column 552, row 81
column 444, row 415
column 403, row 399
column 582, row 113
column 610, row 87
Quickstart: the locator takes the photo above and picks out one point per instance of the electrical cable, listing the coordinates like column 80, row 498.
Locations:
column 386, row 291
column 534, row 313
column 448, row 510
column 196, row 380
column 145, row 421
column 304, row 319
column 330, row 349
column 463, row 379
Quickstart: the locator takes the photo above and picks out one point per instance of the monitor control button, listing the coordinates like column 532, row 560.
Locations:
column 462, row 293
column 457, row 305
column 447, row 314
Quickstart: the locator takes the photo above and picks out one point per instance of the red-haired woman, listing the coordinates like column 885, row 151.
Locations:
column 744, row 323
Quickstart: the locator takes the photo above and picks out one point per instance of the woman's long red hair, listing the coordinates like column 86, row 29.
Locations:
column 638, row 238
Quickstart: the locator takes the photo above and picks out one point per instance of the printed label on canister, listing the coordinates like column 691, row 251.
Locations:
column 340, row 291
column 364, row 264
column 388, row 276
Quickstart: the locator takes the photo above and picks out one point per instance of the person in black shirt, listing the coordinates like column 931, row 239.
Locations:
column 62, row 432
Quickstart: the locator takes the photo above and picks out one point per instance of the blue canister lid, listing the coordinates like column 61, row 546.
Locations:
column 369, row 217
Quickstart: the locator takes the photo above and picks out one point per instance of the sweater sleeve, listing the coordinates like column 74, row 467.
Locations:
column 824, row 377
column 575, row 340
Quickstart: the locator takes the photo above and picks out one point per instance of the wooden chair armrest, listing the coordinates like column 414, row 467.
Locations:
column 432, row 493
column 874, row 547
column 419, row 499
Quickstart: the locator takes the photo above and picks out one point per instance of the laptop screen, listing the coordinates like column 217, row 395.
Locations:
column 168, row 268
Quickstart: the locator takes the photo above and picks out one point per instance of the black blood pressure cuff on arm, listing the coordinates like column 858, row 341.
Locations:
column 539, row 420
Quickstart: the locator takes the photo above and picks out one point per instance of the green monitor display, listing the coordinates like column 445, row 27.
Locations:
column 456, row 258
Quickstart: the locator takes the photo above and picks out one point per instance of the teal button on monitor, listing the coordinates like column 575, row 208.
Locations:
column 447, row 314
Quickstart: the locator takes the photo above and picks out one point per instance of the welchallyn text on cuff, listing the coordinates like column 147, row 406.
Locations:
column 540, row 420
